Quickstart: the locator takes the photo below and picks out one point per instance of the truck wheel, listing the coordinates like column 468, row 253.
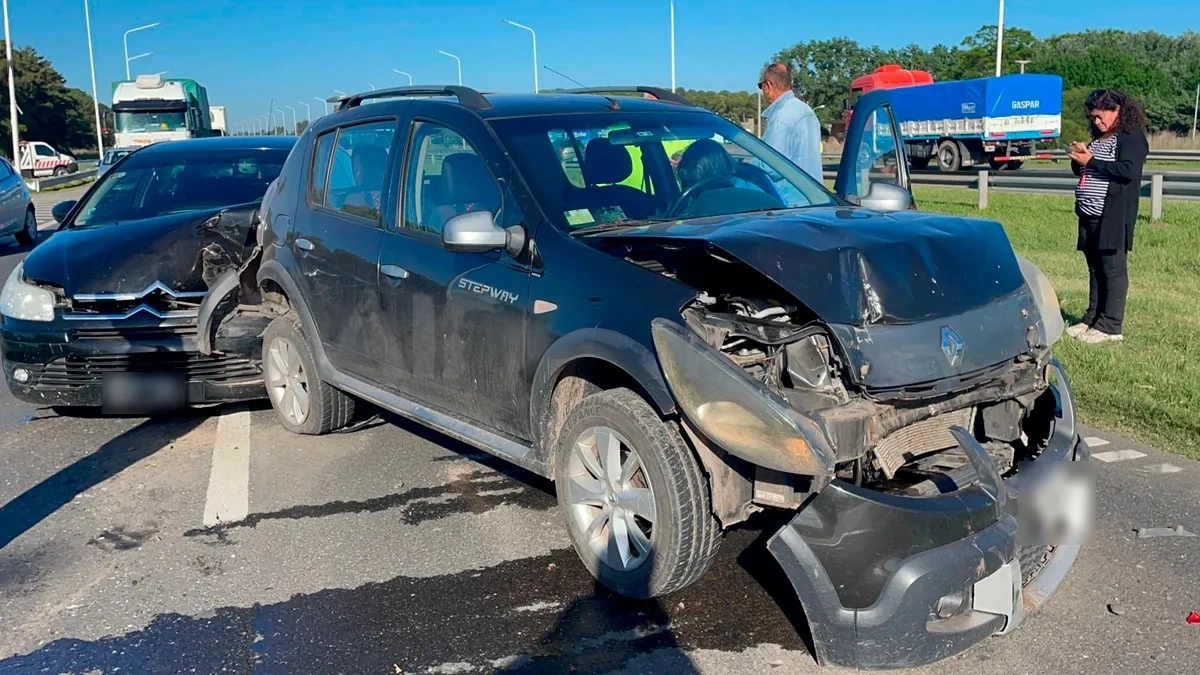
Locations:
column 60, row 171
column 949, row 156
column 636, row 501
column 1015, row 164
column 28, row 233
column 305, row 404
column 918, row 163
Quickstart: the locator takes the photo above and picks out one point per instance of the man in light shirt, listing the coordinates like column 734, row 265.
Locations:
column 792, row 126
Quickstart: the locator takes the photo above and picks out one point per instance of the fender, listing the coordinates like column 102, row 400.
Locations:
column 273, row 271
column 606, row 345
column 217, row 304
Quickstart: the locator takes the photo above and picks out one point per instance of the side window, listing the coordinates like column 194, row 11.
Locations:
column 5, row 169
column 445, row 177
column 320, row 168
column 878, row 158
column 359, row 168
column 43, row 151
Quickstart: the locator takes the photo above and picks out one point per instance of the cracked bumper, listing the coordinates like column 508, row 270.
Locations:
column 889, row 581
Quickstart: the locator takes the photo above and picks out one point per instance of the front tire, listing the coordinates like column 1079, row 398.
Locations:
column 949, row 156
column 28, row 234
column 304, row 403
column 636, row 500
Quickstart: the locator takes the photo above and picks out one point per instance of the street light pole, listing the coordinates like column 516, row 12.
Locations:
column 371, row 86
column 673, row 45
column 410, row 80
column 282, row 120
column 12, row 95
column 87, row 19
column 535, row 66
column 133, row 30
column 295, row 122
column 307, row 111
column 325, row 102
column 456, row 60
column 1000, row 39
column 1022, row 63
column 1195, row 111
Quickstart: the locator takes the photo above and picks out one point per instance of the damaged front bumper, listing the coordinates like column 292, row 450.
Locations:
column 890, row 581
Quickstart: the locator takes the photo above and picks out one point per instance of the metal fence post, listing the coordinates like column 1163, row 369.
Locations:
column 983, row 190
column 1156, row 197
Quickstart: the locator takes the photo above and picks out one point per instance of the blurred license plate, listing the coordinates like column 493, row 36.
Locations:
column 143, row 393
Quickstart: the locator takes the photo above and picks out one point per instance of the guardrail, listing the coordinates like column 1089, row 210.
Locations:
column 41, row 184
column 1061, row 155
column 1157, row 185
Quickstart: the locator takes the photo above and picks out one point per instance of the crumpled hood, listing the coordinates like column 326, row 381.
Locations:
column 860, row 267
column 184, row 251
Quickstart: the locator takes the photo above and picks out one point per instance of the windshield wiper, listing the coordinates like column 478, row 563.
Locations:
column 611, row 227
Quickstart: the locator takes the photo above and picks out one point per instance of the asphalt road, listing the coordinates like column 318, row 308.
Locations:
column 217, row 542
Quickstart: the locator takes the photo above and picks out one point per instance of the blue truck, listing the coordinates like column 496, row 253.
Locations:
column 1001, row 121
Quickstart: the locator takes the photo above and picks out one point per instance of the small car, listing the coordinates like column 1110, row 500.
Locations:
column 18, row 216
column 720, row 338
column 103, row 314
column 110, row 158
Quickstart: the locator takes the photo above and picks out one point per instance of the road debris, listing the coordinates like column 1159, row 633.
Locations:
column 1115, row 609
column 1193, row 618
column 1177, row 531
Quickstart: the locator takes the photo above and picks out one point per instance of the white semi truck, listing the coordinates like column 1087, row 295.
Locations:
column 218, row 120
column 151, row 109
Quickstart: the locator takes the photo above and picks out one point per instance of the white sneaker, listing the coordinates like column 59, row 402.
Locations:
column 1078, row 329
column 1094, row 337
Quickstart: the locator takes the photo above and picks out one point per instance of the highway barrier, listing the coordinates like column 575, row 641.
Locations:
column 43, row 184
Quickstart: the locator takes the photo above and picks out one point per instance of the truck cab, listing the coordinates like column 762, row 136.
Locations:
column 151, row 109
column 39, row 160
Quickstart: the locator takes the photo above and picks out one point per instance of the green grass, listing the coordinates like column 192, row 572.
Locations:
column 1147, row 387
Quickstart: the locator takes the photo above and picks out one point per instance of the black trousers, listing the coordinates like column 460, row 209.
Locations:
column 1108, row 274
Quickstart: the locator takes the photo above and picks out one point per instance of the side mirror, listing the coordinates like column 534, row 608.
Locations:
column 886, row 197
column 477, row 232
column 61, row 209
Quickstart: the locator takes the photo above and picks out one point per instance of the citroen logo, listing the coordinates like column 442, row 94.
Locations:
column 952, row 346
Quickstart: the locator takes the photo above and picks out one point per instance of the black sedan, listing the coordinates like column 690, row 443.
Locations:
column 104, row 313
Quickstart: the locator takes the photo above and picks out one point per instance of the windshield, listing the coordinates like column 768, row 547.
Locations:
column 130, row 122
column 613, row 168
column 113, row 155
column 149, row 185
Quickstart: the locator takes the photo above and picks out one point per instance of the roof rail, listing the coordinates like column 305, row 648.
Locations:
column 466, row 95
column 657, row 92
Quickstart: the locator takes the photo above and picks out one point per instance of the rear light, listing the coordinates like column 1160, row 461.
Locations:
column 1046, row 132
column 996, row 134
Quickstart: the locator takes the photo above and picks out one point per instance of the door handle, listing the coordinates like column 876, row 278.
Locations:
column 394, row 272
column 304, row 245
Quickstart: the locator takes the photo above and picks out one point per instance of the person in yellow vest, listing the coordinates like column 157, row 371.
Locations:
column 637, row 179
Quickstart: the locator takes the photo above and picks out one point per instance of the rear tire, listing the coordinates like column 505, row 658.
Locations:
column 304, row 403
column 28, row 233
column 639, row 515
column 60, row 171
column 949, row 156
column 1015, row 164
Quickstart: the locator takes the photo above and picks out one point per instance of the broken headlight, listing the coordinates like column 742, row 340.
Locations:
column 740, row 415
column 1052, row 324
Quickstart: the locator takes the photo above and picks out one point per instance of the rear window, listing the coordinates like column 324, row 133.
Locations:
column 156, row 184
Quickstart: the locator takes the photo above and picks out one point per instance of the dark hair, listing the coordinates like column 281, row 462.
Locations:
column 1130, row 119
column 704, row 159
column 778, row 74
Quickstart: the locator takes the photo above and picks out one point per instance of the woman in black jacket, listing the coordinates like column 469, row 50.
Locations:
column 1106, row 201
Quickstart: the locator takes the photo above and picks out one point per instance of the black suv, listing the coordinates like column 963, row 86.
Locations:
column 681, row 346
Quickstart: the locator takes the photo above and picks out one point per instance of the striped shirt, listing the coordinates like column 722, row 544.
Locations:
column 1093, row 186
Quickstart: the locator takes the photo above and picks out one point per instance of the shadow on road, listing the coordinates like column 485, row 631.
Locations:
column 42, row 500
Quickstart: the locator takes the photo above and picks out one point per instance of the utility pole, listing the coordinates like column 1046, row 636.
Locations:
column 1000, row 40
column 12, row 94
column 672, row 45
column 1195, row 111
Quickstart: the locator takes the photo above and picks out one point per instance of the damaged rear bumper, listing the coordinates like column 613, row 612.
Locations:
column 889, row 581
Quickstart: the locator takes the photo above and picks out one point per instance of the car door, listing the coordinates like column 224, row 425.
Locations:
column 338, row 232
column 456, row 337
column 873, row 153
column 12, row 206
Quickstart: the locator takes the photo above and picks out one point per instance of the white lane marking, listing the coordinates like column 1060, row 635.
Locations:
column 1095, row 441
column 229, row 482
column 1160, row 469
column 1118, row 455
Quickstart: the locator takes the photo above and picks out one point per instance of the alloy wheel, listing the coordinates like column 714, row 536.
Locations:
column 287, row 381
column 31, row 225
column 612, row 501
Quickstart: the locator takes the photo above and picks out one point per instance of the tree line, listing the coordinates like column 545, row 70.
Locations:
column 50, row 111
column 1162, row 71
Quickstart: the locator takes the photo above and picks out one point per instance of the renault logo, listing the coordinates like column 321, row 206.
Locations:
column 952, row 346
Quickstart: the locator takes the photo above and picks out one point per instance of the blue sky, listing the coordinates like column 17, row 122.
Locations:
column 249, row 51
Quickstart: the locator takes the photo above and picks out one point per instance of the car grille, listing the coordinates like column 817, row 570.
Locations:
column 82, row 371
column 147, row 333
